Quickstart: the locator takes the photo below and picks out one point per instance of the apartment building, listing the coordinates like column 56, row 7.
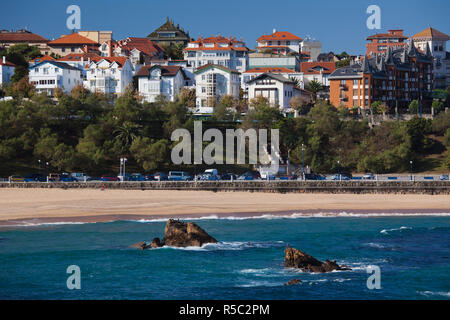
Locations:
column 227, row 52
column 73, row 43
column 280, row 42
column 394, row 78
column 157, row 80
column 9, row 38
column 380, row 42
column 109, row 75
column 297, row 77
column 47, row 76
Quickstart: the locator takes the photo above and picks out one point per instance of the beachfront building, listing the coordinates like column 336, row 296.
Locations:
column 436, row 41
column 394, row 78
column 227, row 52
column 279, row 42
column 157, row 80
column 10, row 38
column 278, row 89
column 380, row 42
column 47, row 76
column 109, row 75
column 6, row 70
column 170, row 34
column 212, row 82
column 73, row 43
column 297, row 77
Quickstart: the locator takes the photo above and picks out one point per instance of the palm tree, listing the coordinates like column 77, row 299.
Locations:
column 314, row 86
column 127, row 133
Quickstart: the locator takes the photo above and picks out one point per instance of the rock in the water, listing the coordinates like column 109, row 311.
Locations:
column 181, row 234
column 140, row 245
column 156, row 243
column 292, row 282
column 297, row 259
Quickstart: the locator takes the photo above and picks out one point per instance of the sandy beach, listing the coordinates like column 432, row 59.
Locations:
column 95, row 205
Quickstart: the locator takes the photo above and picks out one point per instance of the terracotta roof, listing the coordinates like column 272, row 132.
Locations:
column 166, row 71
column 390, row 35
column 43, row 58
column 208, row 66
column 7, row 63
column 314, row 67
column 21, row 37
column 78, row 56
column 431, row 33
column 279, row 35
column 144, row 45
column 270, row 69
column 216, row 41
column 73, row 38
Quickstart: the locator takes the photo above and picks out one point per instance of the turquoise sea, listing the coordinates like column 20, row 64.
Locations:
column 413, row 254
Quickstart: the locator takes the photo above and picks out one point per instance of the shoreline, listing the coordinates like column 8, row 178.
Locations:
column 36, row 206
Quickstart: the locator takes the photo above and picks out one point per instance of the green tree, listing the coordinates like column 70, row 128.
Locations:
column 414, row 107
column 150, row 154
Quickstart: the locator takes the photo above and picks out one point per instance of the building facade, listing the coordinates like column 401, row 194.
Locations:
column 138, row 50
column 318, row 71
column 279, row 42
column 380, row 42
column 6, row 70
column 268, row 60
column 212, row 82
column 73, row 43
column 170, row 34
column 297, row 77
column 156, row 80
column 278, row 89
column 226, row 52
column 394, row 78
column 437, row 42
column 47, row 76
column 110, row 75
column 10, row 38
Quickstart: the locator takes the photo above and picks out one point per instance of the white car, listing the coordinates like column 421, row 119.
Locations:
column 80, row 176
column 368, row 176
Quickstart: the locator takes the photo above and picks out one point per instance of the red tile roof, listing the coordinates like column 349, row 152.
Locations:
column 309, row 67
column 73, row 38
column 431, row 33
column 168, row 71
column 270, row 69
column 78, row 56
column 43, row 58
column 144, row 45
column 391, row 35
column 279, row 35
column 232, row 42
column 21, row 37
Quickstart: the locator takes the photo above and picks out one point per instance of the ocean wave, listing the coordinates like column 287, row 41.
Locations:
column 295, row 215
column 234, row 245
column 438, row 293
column 261, row 283
column 374, row 245
column 386, row 231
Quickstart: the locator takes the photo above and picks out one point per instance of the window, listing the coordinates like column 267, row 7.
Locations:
column 355, row 82
column 63, row 49
column 72, row 49
column 36, row 70
column 288, row 43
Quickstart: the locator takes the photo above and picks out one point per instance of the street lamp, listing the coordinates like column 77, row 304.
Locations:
column 39, row 170
column 411, row 169
column 122, row 168
column 339, row 170
column 303, row 161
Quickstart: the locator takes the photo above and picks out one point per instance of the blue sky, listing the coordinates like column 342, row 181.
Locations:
column 339, row 25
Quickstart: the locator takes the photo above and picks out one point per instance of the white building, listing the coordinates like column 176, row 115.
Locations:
column 285, row 72
column 212, row 82
column 312, row 47
column 160, row 80
column 110, row 75
column 6, row 70
column 318, row 71
column 80, row 61
column 278, row 89
column 435, row 42
column 281, row 42
column 46, row 76
column 227, row 52
column 265, row 60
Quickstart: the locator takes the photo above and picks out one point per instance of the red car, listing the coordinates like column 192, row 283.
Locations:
column 109, row 177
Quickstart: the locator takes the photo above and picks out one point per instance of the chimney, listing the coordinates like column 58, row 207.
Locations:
column 274, row 30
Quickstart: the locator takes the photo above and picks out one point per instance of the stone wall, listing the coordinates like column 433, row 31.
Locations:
column 419, row 187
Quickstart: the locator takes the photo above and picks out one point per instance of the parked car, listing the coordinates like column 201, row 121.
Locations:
column 443, row 177
column 137, row 177
column 65, row 177
column 109, row 177
column 179, row 176
column 228, row 176
column 160, row 176
column 35, row 177
column 16, row 179
column 208, row 177
column 314, row 176
column 79, row 176
column 368, row 176
column 342, row 176
column 250, row 175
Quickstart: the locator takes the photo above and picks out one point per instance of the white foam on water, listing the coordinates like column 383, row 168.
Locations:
column 438, row 293
column 233, row 245
column 386, row 231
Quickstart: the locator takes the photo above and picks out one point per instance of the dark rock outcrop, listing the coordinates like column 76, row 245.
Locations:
column 297, row 259
column 292, row 282
column 179, row 234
